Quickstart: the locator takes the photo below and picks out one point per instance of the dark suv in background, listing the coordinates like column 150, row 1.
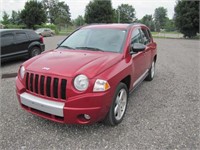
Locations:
column 20, row 43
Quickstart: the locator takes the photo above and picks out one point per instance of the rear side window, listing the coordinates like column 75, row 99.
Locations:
column 136, row 37
column 7, row 39
column 33, row 35
column 21, row 36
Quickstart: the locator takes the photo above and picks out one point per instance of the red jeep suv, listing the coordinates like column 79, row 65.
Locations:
column 89, row 76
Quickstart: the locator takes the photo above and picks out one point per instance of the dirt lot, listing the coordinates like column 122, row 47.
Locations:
column 162, row 114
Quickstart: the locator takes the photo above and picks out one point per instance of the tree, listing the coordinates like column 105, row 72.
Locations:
column 62, row 15
column 126, row 13
column 15, row 18
column 57, row 12
column 187, row 17
column 5, row 18
column 170, row 25
column 115, row 16
column 79, row 21
column 148, row 21
column 51, row 9
column 99, row 11
column 33, row 13
column 160, row 16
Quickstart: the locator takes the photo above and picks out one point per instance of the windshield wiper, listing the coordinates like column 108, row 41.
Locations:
column 66, row 47
column 90, row 48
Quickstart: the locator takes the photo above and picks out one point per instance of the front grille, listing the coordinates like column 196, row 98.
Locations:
column 46, row 85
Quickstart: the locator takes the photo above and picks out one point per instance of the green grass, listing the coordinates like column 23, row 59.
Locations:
column 162, row 37
column 170, row 35
column 154, row 33
column 64, row 32
column 196, row 37
column 175, row 32
column 179, row 37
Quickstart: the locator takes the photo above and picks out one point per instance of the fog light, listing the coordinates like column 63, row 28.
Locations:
column 87, row 117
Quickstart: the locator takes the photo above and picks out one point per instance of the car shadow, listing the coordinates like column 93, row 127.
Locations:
column 8, row 63
column 70, row 129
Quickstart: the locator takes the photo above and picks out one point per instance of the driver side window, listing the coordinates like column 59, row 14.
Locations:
column 145, row 36
column 136, row 37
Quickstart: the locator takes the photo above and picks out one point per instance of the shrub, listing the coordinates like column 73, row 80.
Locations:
column 15, row 26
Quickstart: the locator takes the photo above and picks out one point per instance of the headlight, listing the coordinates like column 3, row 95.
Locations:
column 81, row 82
column 101, row 85
column 22, row 72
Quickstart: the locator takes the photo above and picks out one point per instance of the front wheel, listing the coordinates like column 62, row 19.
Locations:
column 151, row 73
column 118, row 107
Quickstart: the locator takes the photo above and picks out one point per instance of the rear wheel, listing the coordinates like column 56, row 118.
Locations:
column 34, row 52
column 151, row 72
column 118, row 107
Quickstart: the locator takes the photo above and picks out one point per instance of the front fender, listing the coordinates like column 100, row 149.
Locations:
column 114, row 75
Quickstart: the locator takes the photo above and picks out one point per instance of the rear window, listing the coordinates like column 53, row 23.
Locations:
column 32, row 35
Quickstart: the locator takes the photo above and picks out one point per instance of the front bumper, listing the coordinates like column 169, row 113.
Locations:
column 71, row 111
column 42, row 46
column 51, row 107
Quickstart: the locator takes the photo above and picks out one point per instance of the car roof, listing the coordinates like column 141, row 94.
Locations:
column 113, row 26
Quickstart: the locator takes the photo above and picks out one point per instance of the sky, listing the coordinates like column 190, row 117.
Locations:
column 77, row 7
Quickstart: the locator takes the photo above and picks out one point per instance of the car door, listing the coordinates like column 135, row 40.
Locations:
column 150, row 46
column 21, row 42
column 138, row 64
column 7, row 44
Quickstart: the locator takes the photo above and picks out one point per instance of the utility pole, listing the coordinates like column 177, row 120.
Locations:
column 118, row 12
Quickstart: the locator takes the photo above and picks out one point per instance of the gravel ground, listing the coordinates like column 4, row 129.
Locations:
column 162, row 114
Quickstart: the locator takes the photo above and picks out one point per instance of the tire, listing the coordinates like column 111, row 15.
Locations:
column 118, row 106
column 151, row 72
column 34, row 52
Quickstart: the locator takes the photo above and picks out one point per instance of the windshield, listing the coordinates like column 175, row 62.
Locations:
column 110, row 40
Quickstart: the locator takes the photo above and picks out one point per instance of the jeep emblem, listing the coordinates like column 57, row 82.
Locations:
column 45, row 68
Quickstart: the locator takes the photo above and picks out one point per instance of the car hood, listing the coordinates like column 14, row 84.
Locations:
column 70, row 63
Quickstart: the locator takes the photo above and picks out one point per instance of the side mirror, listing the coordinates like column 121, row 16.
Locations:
column 137, row 47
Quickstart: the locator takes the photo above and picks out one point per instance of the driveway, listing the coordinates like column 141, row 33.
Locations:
column 162, row 114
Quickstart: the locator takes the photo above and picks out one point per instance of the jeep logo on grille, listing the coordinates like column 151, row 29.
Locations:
column 45, row 68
